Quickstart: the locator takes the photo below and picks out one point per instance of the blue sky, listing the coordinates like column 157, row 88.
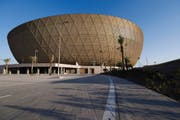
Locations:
column 158, row 19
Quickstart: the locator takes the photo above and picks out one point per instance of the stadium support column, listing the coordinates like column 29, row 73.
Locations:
column 62, row 70
column 78, row 69
column 89, row 71
column 28, row 71
column 18, row 72
column 38, row 71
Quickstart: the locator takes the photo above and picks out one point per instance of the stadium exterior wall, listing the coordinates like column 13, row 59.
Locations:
column 86, row 39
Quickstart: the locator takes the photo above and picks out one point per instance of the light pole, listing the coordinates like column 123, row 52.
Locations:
column 35, row 54
column 59, row 55
column 100, row 51
column 59, row 51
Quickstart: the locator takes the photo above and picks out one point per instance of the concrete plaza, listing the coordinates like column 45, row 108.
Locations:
column 80, row 97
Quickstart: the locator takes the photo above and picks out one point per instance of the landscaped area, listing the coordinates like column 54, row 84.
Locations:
column 163, row 78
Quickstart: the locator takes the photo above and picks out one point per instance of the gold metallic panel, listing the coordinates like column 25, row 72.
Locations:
column 85, row 38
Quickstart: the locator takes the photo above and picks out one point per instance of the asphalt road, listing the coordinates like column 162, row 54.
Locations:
column 81, row 98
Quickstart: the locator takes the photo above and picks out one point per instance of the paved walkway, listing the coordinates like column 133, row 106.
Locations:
column 51, row 98
column 136, row 102
column 80, row 98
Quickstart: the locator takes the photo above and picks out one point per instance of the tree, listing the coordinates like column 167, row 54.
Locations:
column 50, row 64
column 119, row 64
column 121, row 42
column 6, row 64
column 110, row 63
column 127, row 63
column 33, row 61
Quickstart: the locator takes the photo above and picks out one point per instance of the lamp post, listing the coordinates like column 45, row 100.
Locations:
column 35, row 54
column 59, row 51
column 59, row 54
column 100, row 51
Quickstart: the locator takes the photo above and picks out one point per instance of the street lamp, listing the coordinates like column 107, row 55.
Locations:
column 59, row 52
column 100, row 51
column 35, row 54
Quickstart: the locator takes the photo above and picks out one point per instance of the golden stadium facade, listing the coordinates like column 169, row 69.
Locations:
column 85, row 39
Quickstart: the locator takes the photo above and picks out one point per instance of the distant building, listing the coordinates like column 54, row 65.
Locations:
column 83, row 39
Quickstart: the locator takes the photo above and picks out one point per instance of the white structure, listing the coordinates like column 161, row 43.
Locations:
column 43, row 68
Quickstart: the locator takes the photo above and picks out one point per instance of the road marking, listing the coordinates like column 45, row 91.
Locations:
column 4, row 96
column 109, row 113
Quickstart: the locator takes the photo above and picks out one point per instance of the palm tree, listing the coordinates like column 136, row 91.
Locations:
column 7, row 60
column 127, row 63
column 33, row 61
column 50, row 64
column 121, row 41
column 119, row 64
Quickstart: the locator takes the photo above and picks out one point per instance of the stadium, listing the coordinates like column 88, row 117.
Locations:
column 81, row 43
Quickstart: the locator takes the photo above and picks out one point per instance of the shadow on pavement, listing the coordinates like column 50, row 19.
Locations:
column 84, row 80
column 137, row 100
column 58, row 115
column 131, row 99
column 80, row 102
column 95, row 97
